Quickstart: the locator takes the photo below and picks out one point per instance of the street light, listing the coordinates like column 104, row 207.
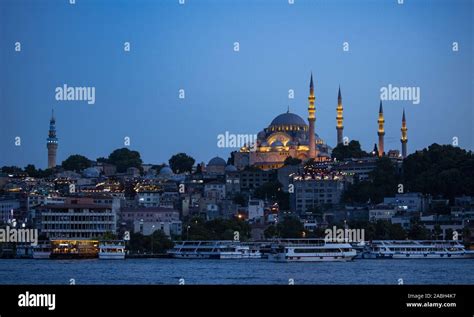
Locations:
column 187, row 232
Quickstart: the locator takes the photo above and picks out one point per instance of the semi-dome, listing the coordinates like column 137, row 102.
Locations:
column 217, row 161
column 165, row 171
column 230, row 168
column 277, row 143
column 288, row 118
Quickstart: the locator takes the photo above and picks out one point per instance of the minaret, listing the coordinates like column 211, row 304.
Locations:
column 52, row 142
column 404, row 138
column 381, row 131
column 311, row 120
column 339, row 118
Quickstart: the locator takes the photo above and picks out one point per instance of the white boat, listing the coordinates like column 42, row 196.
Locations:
column 311, row 250
column 213, row 249
column 111, row 250
column 417, row 249
column 42, row 250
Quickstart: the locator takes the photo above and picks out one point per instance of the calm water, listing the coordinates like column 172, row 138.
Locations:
column 170, row 271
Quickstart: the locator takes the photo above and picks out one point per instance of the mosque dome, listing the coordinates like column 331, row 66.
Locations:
column 217, row 161
column 230, row 168
column 166, row 171
column 288, row 118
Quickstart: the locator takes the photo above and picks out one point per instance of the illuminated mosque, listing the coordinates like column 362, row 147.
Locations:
column 288, row 135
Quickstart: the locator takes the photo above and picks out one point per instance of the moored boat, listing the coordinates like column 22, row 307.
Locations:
column 112, row 250
column 214, row 249
column 42, row 250
column 417, row 249
column 311, row 250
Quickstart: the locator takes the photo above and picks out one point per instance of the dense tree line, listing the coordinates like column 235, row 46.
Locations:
column 440, row 170
column 218, row 229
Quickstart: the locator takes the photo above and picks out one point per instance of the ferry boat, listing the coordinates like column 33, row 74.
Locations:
column 311, row 250
column 417, row 249
column 24, row 251
column 42, row 250
column 112, row 250
column 74, row 249
column 213, row 250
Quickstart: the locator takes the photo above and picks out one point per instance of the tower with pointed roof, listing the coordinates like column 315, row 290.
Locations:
column 311, row 119
column 381, row 130
column 339, row 118
column 404, row 138
column 52, row 142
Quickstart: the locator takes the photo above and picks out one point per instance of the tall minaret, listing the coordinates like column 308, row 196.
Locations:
column 404, row 138
column 52, row 142
column 339, row 117
column 311, row 119
column 381, row 131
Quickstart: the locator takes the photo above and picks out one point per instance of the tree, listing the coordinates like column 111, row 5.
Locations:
column 290, row 227
column 383, row 181
column 274, row 190
column 157, row 242
column 396, row 232
column 160, row 242
column 271, row 232
column 437, row 232
column 351, row 150
column 181, row 163
column 11, row 169
column 217, row 229
column 124, row 158
column 292, row 161
column 440, row 170
column 108, row 236
column 417, row 230
column 76, row 163
column 30, row 169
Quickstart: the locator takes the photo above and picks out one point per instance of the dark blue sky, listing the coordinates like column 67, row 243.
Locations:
column 191, row 47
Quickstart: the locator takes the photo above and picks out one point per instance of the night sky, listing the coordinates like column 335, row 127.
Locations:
column 191, row 47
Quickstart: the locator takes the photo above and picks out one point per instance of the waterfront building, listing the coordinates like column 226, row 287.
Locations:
column 77, row 218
